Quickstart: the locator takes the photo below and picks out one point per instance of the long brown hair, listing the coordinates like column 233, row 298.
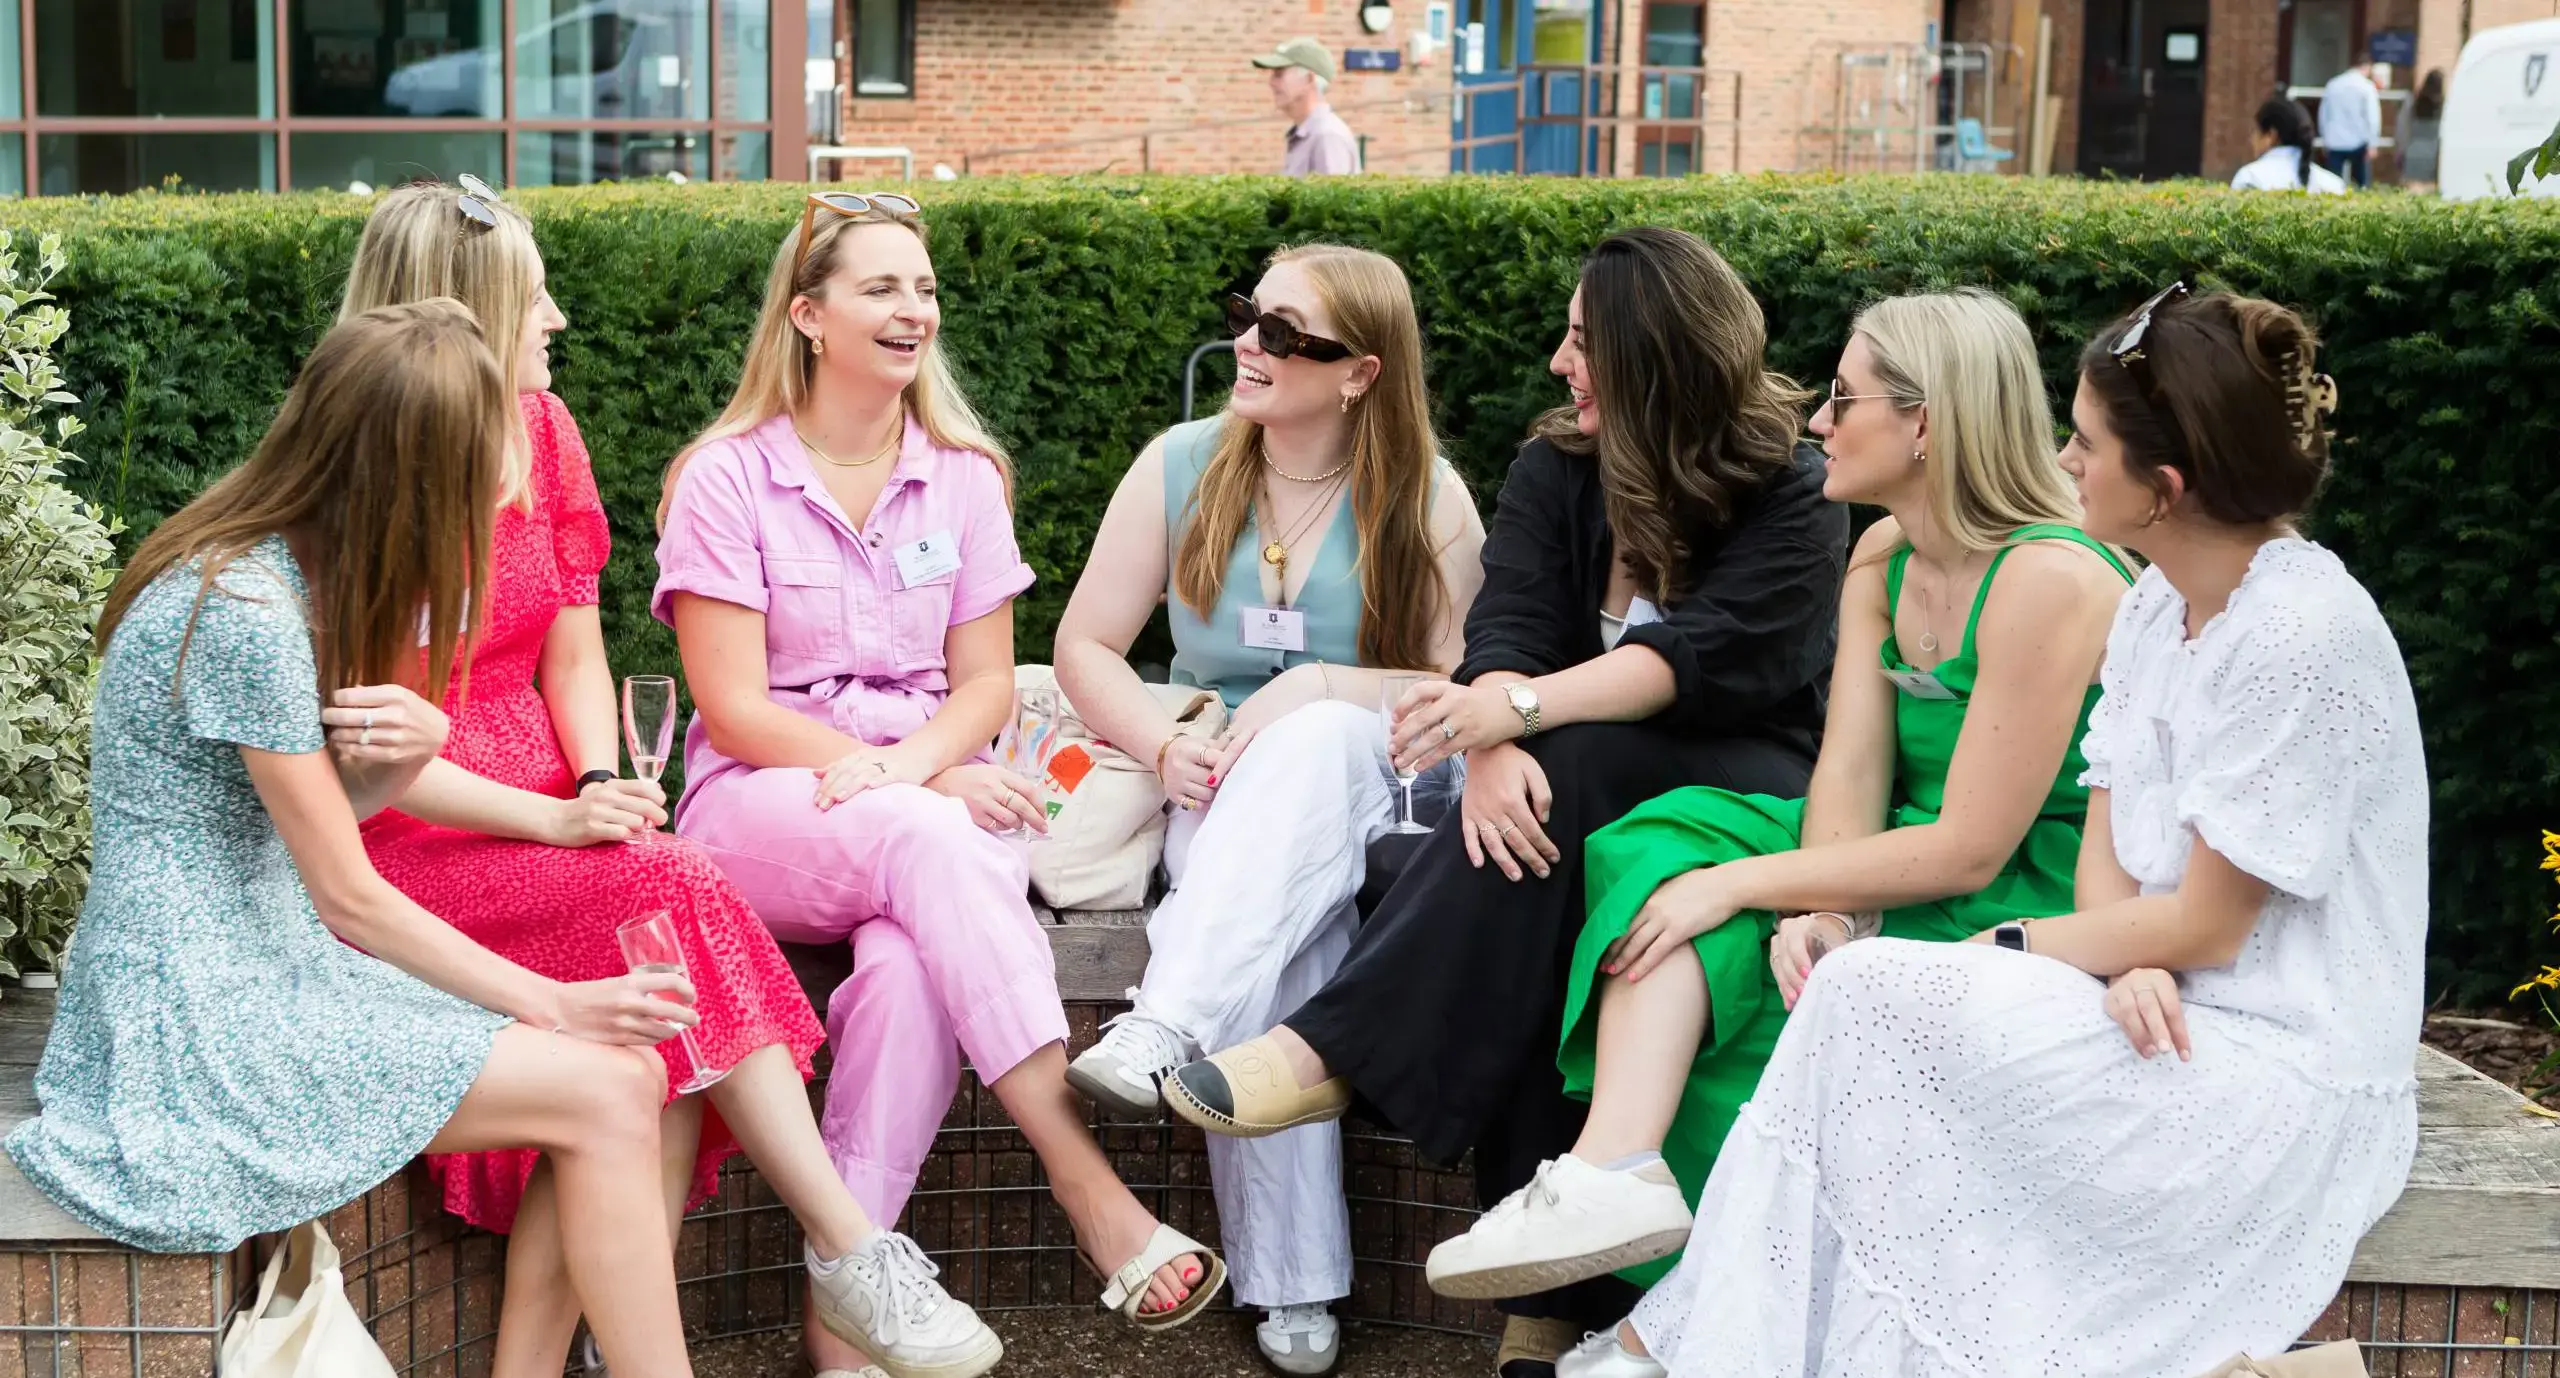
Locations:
column 385, row 460
column 780, row 367
column 418, row 244
column 1692, row 419
column 1393, row 453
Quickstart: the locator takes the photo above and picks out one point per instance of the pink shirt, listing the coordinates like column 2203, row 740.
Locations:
column 850, row 640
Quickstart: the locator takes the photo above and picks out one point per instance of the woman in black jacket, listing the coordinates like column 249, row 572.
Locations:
column 1661, row 584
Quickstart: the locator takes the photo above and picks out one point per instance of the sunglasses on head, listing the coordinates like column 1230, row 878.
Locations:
column 852, row 205
column 2128, row 350
column 476, row 201
column 1278, row 338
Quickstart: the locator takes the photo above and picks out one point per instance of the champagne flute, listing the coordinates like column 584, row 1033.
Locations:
column 1030, row 740
column 1391, row 692
column 648, row 729
column 649, row 945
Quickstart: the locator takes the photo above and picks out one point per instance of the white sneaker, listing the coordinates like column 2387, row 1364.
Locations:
column 1126, row 1069
column 882, row 1298
column 1301, row 1339
column 1571, row 1223
column 592, row 1359
column 1601, row 1356
column 866, row 1371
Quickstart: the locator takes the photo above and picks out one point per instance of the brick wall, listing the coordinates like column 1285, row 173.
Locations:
column 2239, row 75
column 1003, row 73
column 1787, row 54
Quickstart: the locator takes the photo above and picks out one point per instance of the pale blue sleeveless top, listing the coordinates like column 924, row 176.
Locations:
column 1210, row 652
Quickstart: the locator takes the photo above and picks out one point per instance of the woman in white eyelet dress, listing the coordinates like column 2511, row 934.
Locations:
column 1958, row 1161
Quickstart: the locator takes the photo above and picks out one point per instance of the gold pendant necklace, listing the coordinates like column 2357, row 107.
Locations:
column 1275, row 551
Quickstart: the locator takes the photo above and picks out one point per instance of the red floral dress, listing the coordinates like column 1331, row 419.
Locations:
column 554, row 909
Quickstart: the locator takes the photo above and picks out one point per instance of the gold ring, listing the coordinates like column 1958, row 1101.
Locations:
column 1508, row 828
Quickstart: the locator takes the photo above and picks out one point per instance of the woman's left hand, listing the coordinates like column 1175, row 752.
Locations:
column 2144, row 1003
column 1440, row 719
column 384, row 725
column 1681, row 909
column 868, row 768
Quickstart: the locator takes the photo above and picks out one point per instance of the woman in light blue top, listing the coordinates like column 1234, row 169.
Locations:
column 1307, row 544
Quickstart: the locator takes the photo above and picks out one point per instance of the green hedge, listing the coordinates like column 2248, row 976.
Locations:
column 1073, row 305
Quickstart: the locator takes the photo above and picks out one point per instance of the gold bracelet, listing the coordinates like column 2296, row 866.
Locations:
column 1160, row 751
column 1324, row 673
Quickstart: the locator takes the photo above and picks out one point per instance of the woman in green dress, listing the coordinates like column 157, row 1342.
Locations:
column 1945, row 801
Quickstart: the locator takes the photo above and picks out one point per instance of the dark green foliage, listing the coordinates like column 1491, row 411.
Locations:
column 1073, row 304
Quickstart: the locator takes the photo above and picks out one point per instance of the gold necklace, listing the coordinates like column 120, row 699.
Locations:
column 1293, row 478
column 897, row 437
column 1275, row 553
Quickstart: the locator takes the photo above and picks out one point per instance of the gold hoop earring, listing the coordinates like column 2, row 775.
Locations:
column 1346, row 404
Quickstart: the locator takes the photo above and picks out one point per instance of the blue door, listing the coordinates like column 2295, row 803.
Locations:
column 1525, row 43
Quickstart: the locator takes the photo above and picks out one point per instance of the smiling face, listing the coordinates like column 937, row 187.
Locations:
column 1868, row 443
column 1276, row 392
column 541, row 321
column 2116, row 505
column 1574, row 367
column 879, row 311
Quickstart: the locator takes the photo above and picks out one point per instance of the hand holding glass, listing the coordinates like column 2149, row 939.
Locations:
column 1391, row 692
column 648, row 729
column 1029, row 741
column 649, row 945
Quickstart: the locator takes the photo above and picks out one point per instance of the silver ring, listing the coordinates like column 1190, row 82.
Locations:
column 365, row 737
column 368, row 720
column 1508, row 828
column 1448, row 731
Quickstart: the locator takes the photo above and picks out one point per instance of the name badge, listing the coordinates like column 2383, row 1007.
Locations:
column 1920, row 684
column 1274, row 629
column 922, row 562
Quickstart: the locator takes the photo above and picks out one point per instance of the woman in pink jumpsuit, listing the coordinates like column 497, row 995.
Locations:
column 837, row 558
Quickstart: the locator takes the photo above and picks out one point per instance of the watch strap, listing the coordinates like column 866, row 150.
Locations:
column 593, row 777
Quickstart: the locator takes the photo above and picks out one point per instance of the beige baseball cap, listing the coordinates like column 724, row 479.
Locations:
column 1299, row 52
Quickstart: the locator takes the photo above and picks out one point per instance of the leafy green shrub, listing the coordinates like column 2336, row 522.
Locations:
column 1072, row 305
column 55, row 549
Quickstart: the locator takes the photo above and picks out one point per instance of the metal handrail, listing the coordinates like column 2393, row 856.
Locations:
column 1147, row 136
column 1191, row 370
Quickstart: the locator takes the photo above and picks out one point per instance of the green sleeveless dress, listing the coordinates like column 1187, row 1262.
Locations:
column 1702, row 826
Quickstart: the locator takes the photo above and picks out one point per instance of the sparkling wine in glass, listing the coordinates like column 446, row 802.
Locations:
column 1391, row 692
column 1029, row 742
column 648, row 728
column 649, row 946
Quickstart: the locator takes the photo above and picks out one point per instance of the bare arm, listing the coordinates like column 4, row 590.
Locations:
column 2100, row 879
column 2203, row 923
column 577, row 686
column 1852, row 782
column 1124, row 578
column 722, row 647
column 301, row 793
column 2042, row 634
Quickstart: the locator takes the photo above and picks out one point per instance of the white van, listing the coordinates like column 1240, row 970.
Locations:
column 2504, row 99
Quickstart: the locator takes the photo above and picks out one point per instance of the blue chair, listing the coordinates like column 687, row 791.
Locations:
column 1973, row 146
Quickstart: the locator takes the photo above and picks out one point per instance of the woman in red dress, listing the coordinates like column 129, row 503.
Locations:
column 516, row 835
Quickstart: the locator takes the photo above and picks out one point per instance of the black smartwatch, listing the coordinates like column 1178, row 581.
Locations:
column 593, row 777
column 2012, row 936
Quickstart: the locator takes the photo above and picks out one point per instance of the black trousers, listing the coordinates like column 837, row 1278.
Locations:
column 1446, row 1014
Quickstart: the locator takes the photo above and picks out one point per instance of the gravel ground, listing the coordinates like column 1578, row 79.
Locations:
column 1089, row 1344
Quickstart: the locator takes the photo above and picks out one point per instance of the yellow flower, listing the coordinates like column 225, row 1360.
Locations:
column 2548, row 980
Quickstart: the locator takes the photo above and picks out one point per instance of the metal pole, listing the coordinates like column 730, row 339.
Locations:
column 1191, row 370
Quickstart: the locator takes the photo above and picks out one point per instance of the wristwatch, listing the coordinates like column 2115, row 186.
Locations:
column 593, row 777
column 1524, row 701
column 2012, row 936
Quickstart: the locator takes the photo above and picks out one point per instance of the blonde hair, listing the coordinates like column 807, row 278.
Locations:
column 418, row 245
column 780, row 368
column 1970, row 359
column 1393, row 453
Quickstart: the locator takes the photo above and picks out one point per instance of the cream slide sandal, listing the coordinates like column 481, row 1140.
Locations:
column 1128, row 1289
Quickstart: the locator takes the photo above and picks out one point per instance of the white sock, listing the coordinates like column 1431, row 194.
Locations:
column 1631, row 1162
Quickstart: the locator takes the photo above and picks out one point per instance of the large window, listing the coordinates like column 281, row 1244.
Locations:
column 209, row 95
column 884, row 47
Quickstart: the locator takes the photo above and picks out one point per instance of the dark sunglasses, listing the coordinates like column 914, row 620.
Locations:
column 1280, row 339
column 852, row 205
column 2128, row 351
column 475, row 202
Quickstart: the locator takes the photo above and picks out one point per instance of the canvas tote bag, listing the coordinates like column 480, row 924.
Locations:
column 302, row 1326
column 2340, row 1360
column 1107, row 833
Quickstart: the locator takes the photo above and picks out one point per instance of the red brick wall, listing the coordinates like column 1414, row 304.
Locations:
column 1788, row 54
column 1004, row 73
column 2239, row 74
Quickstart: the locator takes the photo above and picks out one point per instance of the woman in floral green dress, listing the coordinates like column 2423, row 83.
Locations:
column 223, row 1063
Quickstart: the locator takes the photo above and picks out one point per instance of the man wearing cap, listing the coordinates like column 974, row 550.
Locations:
column 1319, row 142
